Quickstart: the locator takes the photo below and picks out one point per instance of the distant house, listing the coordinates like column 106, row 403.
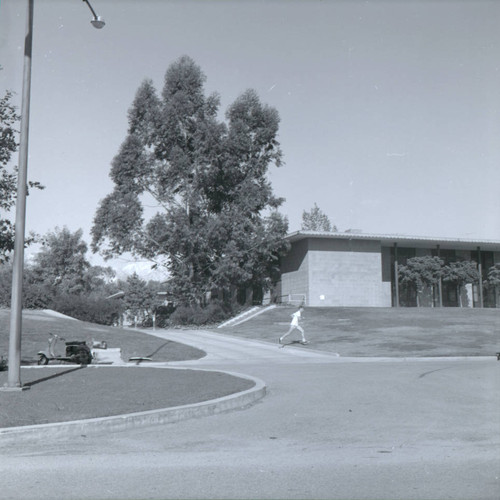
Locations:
column 353, row 269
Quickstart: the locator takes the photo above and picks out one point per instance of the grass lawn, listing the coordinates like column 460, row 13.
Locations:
column 397, row 332
column 63, row 392
column 71, row 392
column 38, row 324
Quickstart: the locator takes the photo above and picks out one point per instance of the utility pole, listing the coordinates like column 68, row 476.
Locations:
column 16, row 307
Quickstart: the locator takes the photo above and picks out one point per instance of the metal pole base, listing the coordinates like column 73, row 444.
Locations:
column 8, row 388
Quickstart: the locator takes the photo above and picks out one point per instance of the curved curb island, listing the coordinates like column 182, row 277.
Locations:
column 116, row 423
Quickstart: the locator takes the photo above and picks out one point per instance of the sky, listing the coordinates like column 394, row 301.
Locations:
column 390, row 110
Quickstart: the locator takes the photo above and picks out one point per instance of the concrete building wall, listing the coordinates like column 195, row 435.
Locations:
column 341, row 273
column 295, row 272
column 386, row 295
column 340, row 270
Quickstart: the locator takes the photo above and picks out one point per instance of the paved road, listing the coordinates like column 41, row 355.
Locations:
column 328, row 428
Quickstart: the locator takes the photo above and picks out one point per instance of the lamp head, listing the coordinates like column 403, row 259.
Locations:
column 98, row 22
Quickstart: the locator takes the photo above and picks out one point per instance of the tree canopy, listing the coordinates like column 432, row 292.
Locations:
column 8, row 146
column 61, row 268
column 215, row 224
column 62, row 260
column 60, row 277
column 316, row 220
column 494, row 275
column 421, row 271
column 461, row 273
column 9, row 119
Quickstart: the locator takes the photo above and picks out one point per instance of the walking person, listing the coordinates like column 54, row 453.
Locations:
column 294, row 325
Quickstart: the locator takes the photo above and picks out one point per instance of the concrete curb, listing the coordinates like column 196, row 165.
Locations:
column 123, row 422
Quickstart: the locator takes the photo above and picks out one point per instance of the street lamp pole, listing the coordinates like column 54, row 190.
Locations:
column 14, row 374
column 97, row 22
column 14, row 370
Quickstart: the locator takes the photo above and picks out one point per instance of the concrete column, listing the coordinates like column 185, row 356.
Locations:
column 396, row 276
column 440, row 283
column 480, row 273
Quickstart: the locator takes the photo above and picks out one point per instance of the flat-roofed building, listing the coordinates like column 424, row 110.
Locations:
column 354, row 269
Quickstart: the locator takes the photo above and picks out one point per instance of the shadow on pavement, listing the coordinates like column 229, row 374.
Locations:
column 55, row 375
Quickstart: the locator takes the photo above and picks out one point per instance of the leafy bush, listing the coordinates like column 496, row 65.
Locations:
column 93, row 309
column 163, row 314
column 214, row 312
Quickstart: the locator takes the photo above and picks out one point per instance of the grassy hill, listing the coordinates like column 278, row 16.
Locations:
column 38, row 324
column 392, row 332
column 389, row 332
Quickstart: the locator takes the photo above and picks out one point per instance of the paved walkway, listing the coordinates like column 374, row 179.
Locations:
column 226, row 349
column 328, row 429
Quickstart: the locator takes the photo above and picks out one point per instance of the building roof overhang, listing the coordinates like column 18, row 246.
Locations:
column 400, row 240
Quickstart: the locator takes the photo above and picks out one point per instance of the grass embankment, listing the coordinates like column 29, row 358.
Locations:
column 60, row 393
column 392, row 332
column 37, row 325
column 71, row 392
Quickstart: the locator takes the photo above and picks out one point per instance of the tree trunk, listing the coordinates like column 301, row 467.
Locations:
column 396, row 282
column 234, row 294
column 249, row 296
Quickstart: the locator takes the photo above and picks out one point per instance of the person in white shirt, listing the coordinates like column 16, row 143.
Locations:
column 294, row 325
